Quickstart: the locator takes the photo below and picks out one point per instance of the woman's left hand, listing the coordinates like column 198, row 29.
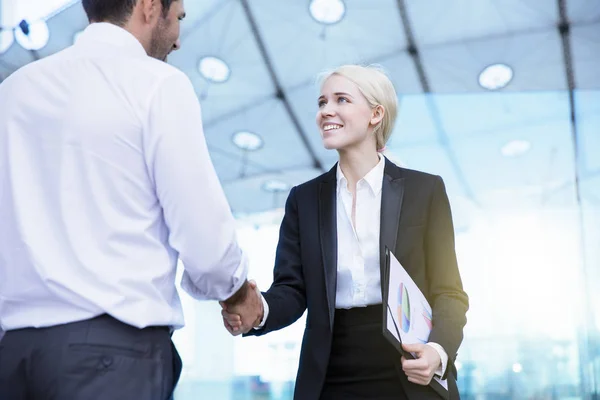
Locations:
column 421, row 369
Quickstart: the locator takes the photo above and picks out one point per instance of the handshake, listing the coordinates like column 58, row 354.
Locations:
column 244, row 310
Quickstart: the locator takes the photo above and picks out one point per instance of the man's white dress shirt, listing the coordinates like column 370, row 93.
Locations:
column 105, row 181
column 358, row 262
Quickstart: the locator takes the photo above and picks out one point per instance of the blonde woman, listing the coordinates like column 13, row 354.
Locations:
column 331, row 250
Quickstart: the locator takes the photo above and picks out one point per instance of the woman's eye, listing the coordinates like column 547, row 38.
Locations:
column 342, row 100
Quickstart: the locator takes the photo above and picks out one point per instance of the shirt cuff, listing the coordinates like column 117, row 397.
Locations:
column 222, row 288
column 265, row 312
column 443, row 357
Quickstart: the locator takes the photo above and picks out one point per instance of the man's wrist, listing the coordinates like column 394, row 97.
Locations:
column 239, row 296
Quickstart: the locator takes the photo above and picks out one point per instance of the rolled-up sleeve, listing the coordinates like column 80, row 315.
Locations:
column 195, row 210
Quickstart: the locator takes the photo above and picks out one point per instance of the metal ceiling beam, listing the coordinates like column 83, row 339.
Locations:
column 564, row 29
column 412, row 48
column 443, row 139
column 279, row 92
column 587, row 369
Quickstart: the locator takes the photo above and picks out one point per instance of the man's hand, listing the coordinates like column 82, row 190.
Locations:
column 244, row 310
column 421, row 369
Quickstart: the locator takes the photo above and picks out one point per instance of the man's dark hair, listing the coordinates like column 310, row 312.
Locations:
column 115, row 11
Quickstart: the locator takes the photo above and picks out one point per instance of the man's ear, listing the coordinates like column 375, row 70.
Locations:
column 377, row 114
column 149, row 8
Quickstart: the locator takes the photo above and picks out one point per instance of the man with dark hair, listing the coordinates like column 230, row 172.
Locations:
column 155, row 23
column 105, row 182
column 115, row 11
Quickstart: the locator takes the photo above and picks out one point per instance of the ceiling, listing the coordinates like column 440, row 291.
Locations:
column 531, row 143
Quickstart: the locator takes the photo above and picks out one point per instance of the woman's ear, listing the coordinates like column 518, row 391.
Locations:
column 377, row 114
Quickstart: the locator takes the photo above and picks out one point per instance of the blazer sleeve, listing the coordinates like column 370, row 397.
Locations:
column 287, row 295
column 449, row 302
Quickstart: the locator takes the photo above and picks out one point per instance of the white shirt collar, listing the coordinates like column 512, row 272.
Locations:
column 374, row 178
column 112, row 34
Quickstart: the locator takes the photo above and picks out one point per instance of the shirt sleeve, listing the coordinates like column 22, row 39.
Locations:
column 200, row 223
column 265, row 312
column 443, row 357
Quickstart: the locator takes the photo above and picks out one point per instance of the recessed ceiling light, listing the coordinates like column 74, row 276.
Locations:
column 6, row 39
column 327, row 12
column 36, row 39
column 275, row 186
column 247, row 140
column 495, row 76
column 214, row 69
column 515, row 148
column 517, row 367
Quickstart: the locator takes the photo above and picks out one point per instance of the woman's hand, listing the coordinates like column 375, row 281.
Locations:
column 421, row 369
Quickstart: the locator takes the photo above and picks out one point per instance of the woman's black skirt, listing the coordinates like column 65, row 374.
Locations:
column 362, row 364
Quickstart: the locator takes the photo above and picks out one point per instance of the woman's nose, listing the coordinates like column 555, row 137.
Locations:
column 327, row 110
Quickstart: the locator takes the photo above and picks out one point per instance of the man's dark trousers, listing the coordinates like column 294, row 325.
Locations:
column 96, row 359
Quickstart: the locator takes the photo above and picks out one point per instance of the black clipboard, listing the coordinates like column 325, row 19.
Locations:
column 387, row 314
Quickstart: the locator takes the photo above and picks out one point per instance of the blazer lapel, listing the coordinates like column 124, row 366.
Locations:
column 392, row 193
column 328, row 236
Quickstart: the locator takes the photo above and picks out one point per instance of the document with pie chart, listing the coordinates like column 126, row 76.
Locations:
column 408, row 316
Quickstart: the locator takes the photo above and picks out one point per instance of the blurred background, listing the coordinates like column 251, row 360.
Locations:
column 499, row 97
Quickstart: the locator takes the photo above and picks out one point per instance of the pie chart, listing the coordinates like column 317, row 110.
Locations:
column 403, row 308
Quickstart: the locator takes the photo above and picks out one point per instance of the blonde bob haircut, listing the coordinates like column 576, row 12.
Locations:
column 377, row 88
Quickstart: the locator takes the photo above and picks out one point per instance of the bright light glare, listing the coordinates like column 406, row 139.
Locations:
column 517, row 368
column 521, row 270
